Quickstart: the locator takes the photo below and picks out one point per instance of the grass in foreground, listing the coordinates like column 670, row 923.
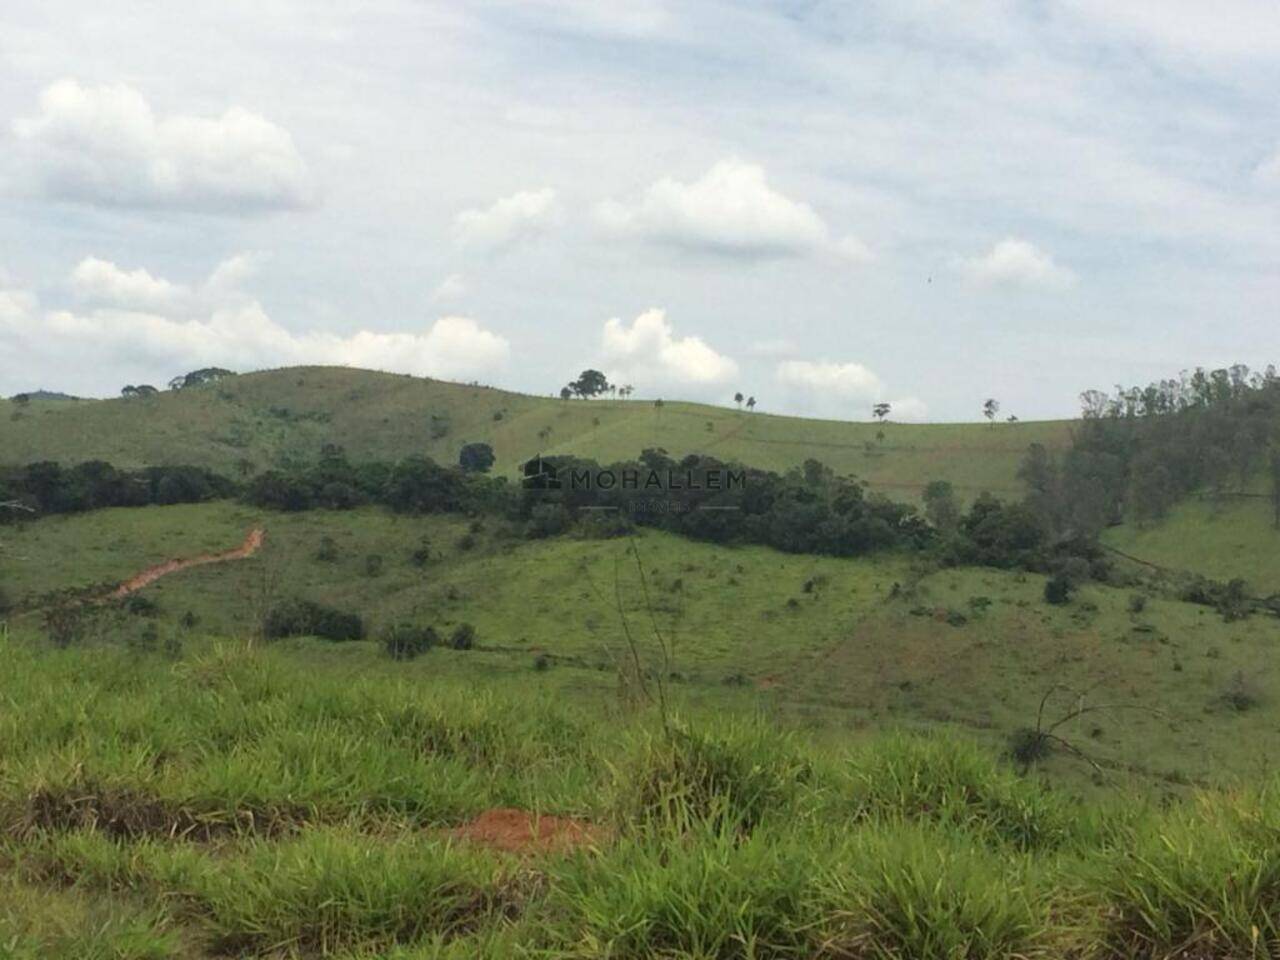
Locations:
column 262, row 803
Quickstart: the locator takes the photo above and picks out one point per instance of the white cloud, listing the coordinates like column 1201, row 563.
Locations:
column 450, row 288
column 521, row 216
column 908, row 410
column 101, row 281
column 846, row 390
column 104, row 284
column 649, row 354
column 829, row 379
column 105, row 145
column 730, row 211
column 1014, row 262
column 111, row 342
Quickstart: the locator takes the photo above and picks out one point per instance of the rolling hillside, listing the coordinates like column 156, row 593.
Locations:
column 841, row 644
column 265, row 419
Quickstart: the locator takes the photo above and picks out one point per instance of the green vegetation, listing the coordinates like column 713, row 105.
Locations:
column 246, row 424
column 835, row 644
column 274, row 802
column 401, row 710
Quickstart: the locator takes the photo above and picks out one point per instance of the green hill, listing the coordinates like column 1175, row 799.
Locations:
column 843, row 644
column 267, row 419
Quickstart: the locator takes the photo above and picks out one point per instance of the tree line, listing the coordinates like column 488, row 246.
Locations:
column 1138, row 451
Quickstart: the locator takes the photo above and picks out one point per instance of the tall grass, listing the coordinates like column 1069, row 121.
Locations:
column 245, row 802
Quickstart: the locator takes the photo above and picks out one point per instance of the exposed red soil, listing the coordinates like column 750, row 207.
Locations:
column 518, row 831
column 251, row 545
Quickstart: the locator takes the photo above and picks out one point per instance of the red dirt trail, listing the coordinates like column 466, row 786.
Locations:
column 518, row 831
column 149, row 576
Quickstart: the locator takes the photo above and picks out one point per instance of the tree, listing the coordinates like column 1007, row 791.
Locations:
column 738, row 398
column 990, row 408
column 476, row 458
column 940, row 506
column 1093, row 404
column 200, row 378
column 590, row 383
column 565, row 393
column 626, row 391
column 22, row 399
column 751, row 403
column 880, row 411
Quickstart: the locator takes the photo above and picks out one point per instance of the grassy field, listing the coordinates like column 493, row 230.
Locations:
column 837, row 645
column 1232, row 539
column 734, row 752
column 266, row 419
column 303, row 801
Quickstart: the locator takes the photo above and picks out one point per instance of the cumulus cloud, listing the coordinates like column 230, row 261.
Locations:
column 521, row 216
column 648, row 352
column 1015, row 263
column 827, row 378
column 129, row 343
column 105, row 145
column 842, row 389
column 103, row 282
column 730, row 211
column 908, row 410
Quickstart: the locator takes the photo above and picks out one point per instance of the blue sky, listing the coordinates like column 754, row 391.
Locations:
column 821, row 204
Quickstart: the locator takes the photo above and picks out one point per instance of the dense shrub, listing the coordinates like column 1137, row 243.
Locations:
column 1057, row 589
column 463, row 637
column 302, row 618
column 50, row 487
column 405, row 641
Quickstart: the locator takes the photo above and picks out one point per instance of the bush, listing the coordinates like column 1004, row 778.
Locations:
column 327, row 552
column 1137, row 603
column 1057, row 590
column 65, row 623
column 305, row 618
column 140, row 606
column 463, row 637
column 373, row 565
column 728, row 778
column 405, row 641
column 422, row 554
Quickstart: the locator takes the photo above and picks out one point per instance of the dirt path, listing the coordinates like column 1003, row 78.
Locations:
column 149, row 576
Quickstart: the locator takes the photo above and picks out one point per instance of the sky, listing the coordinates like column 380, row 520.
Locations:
column 823, row 205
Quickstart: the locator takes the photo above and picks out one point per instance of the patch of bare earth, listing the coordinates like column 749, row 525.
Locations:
column 519, row 831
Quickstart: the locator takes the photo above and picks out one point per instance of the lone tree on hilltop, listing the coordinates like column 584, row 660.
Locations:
column 738, row 398
column 989, row 410
column 590, row 383
column 880, row 411
column 476, row 458
column 751, row 403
